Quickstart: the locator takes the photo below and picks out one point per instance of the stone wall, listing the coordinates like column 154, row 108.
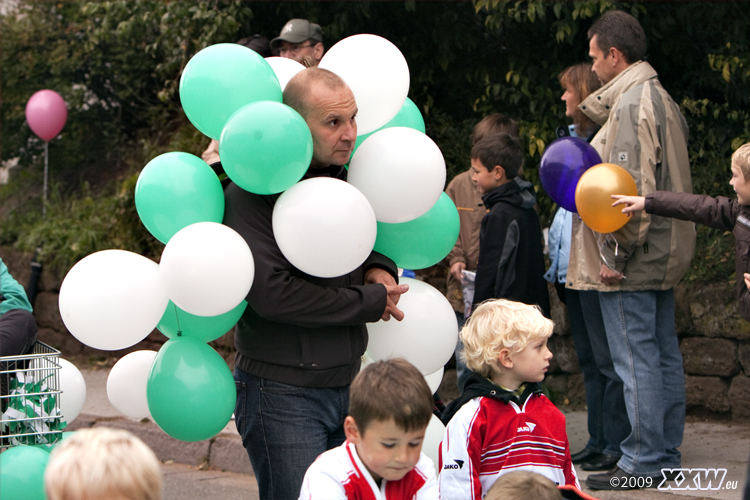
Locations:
column 715, row 345
column 714, row 340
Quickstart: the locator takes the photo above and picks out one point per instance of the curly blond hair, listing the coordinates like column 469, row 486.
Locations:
column 501, row 324
column 741, row 158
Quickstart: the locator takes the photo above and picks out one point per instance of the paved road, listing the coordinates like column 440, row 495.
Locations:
column 722, row 445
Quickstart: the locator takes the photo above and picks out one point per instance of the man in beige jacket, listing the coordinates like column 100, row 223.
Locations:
column 635, row 268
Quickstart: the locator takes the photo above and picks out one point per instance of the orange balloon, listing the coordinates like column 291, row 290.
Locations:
column 594, row 196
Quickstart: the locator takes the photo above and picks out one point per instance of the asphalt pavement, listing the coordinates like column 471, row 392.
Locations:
column 219, row 468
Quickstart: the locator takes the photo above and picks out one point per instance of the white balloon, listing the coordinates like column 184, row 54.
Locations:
column 366, row 360
column 73, row 387
column 433, row 436
column 377, row 73
column 284, row 68
column 207, row 269
column 324, row 227
column 112, row 299
column 401, row 171
column 126, row 384
column 434, row 380
column 427, row 335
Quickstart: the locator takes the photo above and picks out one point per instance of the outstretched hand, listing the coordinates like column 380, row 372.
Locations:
column 747, row 280
column 377, row 275
column 632, row 203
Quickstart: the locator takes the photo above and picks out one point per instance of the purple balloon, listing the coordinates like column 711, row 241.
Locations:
column 563, row 163
column 46, row 113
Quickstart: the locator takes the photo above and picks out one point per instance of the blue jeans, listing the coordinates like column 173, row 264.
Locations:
column 608, row 423
column 285, row 427
column 643, row 342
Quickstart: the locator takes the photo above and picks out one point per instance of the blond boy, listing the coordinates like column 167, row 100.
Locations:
column 102, row 463
column 719, row 213
column 390, row 406
column 502, row 422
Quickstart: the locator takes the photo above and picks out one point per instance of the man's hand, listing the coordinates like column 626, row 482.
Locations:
column 377, row 275
column 632, row 203
column 610, row 277
column 456, row 270
column 747, row 280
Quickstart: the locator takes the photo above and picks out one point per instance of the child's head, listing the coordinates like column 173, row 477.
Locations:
column 741, row 174
column 390, row 405
column 523, row 485
column 496, row 123
column 495, row 160
column 503, row 330
column 103, row 463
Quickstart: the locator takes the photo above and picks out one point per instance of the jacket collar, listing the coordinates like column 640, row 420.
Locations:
column 517, row 192
column 478, row 386
column 598, row 105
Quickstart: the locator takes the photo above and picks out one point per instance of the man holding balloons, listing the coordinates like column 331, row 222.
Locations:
column 636, row 267
column 300, row 340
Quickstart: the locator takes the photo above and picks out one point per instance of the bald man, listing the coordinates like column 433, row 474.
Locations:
column 300, row 341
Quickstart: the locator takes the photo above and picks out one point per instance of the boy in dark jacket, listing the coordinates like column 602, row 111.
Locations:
column 719, row 213
column 511, row 260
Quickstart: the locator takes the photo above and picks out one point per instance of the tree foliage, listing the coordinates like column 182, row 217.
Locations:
column 118, row 64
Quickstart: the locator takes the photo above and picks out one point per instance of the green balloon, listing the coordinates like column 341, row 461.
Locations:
column 22, row 473
column 190, row 390
column 175, row 190
column 408, row 116
column 266, row 147
column 203, row 328
column 222, row 78
column 424, row 241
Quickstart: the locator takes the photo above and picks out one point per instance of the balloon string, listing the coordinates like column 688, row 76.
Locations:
column 601, row 254
column 179, row 330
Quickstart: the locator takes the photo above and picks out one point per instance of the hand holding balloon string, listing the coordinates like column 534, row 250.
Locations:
column 377, row 275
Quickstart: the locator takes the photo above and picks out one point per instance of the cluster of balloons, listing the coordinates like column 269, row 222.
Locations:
column 393, row 202
column 575, row 178
column 113, row 299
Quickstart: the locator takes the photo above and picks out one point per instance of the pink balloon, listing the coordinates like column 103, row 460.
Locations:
column 46, row 113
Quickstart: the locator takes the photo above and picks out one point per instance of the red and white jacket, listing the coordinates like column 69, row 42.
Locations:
column 339, row 474
column 491, row 435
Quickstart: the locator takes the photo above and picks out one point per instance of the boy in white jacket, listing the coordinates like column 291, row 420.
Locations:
column 390, row 406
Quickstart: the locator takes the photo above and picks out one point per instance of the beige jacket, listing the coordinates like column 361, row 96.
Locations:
column 471, row 210
column 644, row 132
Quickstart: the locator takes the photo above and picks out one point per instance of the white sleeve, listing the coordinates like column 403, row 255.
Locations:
column 459, row 477
column 320, row 484
column 430, row 489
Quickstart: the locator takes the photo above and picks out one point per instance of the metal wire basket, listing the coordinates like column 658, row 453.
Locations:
column 30, row 398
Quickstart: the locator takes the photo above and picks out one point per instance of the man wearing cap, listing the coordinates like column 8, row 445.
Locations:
column 300, row 40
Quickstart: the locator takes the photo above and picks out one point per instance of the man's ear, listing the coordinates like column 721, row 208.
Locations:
column 351, row 431
column 616, row 55
column 504, row 359
column 318, row 51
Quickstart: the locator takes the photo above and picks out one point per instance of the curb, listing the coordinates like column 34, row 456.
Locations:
column 222, row 452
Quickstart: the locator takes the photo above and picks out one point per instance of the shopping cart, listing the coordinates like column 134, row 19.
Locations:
column 30, row 398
